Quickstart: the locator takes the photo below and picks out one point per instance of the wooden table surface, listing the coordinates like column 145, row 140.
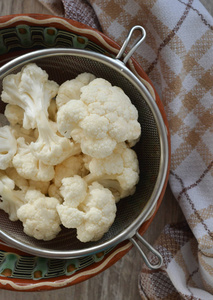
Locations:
column 120, row 280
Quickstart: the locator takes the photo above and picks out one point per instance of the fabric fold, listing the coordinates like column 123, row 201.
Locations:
column 180, row 277
column 54, row 6
column 78, row 10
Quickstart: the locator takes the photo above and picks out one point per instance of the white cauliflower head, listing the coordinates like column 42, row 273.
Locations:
column 50, row 147
column 100, row 211
column 28, row 166
column 8, row 147
column 39, row 216
column 71, row 89
column 119, row 171
column 89, row 209
column 73, row 190
column 31, row 90
column 103, row 117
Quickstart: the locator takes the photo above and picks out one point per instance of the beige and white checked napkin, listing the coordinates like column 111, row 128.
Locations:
column 178, row 57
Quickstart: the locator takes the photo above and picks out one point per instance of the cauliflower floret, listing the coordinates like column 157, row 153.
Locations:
column 100, row 212
column 71, row 166
column 20, row 182
column 70, row 89
column 89, row 209
column 10, row 199
column 69, row 115
column 73, row 190
column 51, row 148
column 14, row 114
column 31, row 90
column 39, row 216
column 103, row 117
column 23, row 184
column 8, row 147
column 118, row 172
column 28, row 166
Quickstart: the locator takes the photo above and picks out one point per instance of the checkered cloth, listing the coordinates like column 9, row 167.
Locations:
column 178, row 57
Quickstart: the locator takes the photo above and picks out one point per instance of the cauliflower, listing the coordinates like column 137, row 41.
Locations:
column 28, row 166
column 10, row 200
column 14, row 114
column 103, row 117
column 89, row 209
column 70, row 89
column 100, row 211
column 71, row 166
column 39, row 216
column 66, row 156
column 19, row 181
column 8, row 147
column 51, row 148
column 23, row 184
column 31, row 90
column 119, row 172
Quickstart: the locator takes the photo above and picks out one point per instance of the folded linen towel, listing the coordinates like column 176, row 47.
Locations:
column 178, row 57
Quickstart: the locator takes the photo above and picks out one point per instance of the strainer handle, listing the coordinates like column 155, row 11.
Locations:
column 135, row 46
column 150, row 248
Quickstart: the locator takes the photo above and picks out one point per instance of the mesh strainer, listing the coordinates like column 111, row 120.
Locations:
column 64, row 64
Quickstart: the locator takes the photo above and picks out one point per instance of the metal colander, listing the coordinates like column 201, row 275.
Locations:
column 152, row 150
